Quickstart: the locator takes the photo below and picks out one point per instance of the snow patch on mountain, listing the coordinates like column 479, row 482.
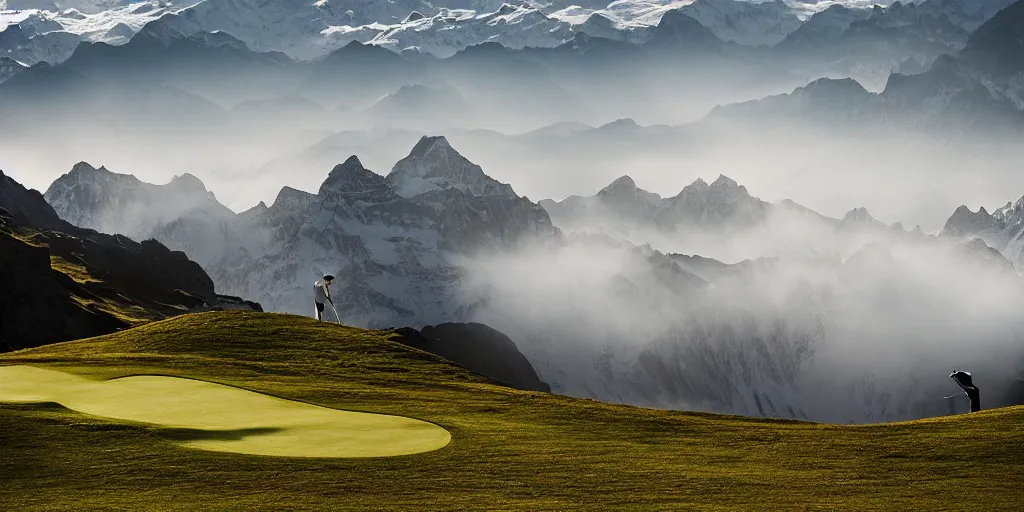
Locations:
column 301, row 29
column 752, row 24
column 39, row 35
column 452, row 30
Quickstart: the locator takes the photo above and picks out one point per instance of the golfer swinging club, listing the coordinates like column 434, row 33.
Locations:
column 322, row 294
column 963, row 379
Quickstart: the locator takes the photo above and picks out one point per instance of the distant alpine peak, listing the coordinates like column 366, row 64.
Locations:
column 965, row 210
column 428, row 144
column 187, row 182
column 625, row 122
column 433, row 164
column 965, row 222
column 86, row 167
column 859, row 216
column 350, row 181
column 623, row 191
column 621, row 183
column 350, row 164
column 725, row 182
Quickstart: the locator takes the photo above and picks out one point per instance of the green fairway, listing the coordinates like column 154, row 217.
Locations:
column 236, row 420
column 510, row 449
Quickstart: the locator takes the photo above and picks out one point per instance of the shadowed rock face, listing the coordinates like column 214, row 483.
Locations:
column 35, row 303
column 110, row 282
column 479, row 348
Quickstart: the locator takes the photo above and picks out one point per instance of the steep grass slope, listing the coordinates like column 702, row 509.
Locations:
column 510, row 449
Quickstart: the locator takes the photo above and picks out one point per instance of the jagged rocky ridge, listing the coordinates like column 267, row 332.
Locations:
column 1002, row 229
column 393, row 242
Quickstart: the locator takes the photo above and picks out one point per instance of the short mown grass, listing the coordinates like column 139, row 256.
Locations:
column 510, row 450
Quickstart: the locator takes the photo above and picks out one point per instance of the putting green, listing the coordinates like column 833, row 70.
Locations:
column 231, row 419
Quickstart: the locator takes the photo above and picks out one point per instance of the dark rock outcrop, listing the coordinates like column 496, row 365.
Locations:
column 61, row 282
column 479, row 348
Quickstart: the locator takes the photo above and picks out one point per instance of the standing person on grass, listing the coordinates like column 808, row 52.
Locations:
column 322, row 295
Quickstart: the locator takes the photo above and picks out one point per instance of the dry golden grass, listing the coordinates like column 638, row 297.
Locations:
column 510, row 450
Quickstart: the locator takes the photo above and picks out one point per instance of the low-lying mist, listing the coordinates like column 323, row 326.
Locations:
column 816, row 335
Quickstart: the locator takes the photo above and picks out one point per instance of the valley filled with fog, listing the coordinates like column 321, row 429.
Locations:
column 760, row 209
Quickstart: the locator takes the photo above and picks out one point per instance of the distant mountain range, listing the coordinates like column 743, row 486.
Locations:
column 705, row 297
column 975, row 92
column 311, row 30
column 395, row 230
column 226, row 66
column 413, row 248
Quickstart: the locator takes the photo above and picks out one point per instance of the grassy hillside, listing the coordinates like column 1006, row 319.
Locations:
column 510, row 449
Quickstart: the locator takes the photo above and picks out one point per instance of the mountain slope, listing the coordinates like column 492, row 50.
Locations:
column 94, row 283
column 9, row 67
column 499, row 434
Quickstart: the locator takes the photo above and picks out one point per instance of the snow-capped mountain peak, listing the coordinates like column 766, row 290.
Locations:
column 433, row 164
